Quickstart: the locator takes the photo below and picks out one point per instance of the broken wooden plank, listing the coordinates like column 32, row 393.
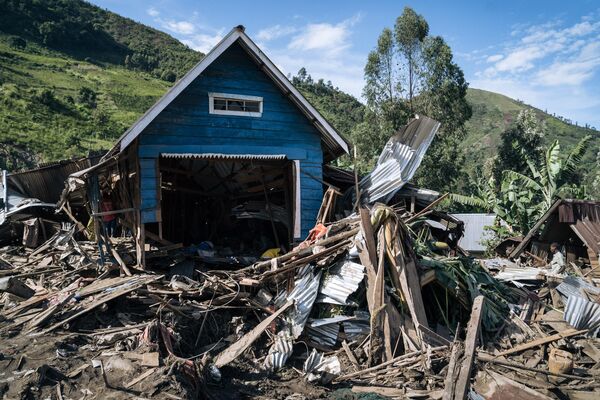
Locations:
column 140, row 378
column 464, row 376
column 233, row 351
column 350, row 355
column 101, row 301
column 538, row 342
column 120, row 261
column 492, row 385
column 450, row 380
column 492, row 359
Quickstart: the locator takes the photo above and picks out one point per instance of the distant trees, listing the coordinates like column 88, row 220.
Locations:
column 521, row 198
column 528, row 133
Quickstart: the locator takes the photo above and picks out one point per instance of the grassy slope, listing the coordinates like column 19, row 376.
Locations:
column 493, row 113
column 40, row 132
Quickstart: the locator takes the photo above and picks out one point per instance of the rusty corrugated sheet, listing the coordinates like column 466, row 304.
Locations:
column 47, row 183
column 589, row 233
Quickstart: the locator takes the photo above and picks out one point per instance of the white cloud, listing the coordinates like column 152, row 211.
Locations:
column 495, row 57
column 196, row 35
column 551, row 66
column 203, row 42
column 153, row 12
column 275, row 32
column 573, row 72
column 332, row 38
column 181, row 27
column 323, row 48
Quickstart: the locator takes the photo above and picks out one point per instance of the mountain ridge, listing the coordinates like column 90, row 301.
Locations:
column 62, row 100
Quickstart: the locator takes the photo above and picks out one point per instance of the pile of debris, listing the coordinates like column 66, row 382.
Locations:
column 381, row 301
column 377, row 299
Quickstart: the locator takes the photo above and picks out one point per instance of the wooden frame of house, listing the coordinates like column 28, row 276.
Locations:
column 233, row 126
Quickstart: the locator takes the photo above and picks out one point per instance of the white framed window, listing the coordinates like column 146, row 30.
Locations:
column 235, row 104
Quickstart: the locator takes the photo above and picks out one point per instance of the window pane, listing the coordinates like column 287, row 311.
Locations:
column 252, row 106
column 220, row 104
column 235, row 105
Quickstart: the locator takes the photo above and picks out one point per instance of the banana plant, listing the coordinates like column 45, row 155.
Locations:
column 532, row 195
column 522, row 198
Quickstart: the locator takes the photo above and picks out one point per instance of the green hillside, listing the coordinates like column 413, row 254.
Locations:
column 73, row 77
column 493, row 113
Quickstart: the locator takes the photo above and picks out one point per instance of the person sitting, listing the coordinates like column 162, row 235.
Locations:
column 557, row 264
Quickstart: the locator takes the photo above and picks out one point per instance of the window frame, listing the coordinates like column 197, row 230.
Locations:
column 239, row 97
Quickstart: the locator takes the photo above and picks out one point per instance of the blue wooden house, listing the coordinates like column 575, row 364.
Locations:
column 232, row 141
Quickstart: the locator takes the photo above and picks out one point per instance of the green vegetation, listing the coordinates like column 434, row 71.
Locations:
column 533, row 179
column 86, row 32
column 494, row 113
column 55, row 107
column 74, row 77
column 410, row 72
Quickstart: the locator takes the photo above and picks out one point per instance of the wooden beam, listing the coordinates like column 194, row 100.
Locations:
column 538, row 342
column 450, row 380
column 462, row 384
column 237, row 348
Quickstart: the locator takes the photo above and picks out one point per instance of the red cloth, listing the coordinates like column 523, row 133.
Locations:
column 107, row 205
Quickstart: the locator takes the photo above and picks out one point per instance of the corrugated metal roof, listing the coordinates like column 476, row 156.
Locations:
column 583, row 314
column 325, row 335
column 520, row 274
column 221, row 156
column 475, row 233
column 280, row 351
column 47, row 183
column 319, row 367
column 399, row 159
column 341, row 281
column 572, row 286
column 583, row 216
column 306, row 287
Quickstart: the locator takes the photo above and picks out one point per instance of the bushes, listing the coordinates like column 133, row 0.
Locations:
column 87, row 97
column 17, row 43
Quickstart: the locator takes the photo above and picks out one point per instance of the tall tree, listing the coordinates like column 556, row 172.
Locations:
column 411, row 29
column 407, row 73
column 527, row 134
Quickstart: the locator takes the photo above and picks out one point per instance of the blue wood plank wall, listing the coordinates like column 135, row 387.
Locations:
column 186, row 126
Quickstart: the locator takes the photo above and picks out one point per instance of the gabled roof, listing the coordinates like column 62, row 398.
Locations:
column 335, row 144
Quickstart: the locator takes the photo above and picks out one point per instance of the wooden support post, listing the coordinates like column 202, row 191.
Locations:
column 462, row 385
column 450, row 380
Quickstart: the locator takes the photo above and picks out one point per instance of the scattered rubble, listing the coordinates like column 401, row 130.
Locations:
column 381, row 300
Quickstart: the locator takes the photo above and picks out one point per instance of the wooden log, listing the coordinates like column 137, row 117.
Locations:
column 233, row 351
column 462, row 385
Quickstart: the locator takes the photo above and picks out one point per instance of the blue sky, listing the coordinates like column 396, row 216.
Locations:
column 546, row 53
